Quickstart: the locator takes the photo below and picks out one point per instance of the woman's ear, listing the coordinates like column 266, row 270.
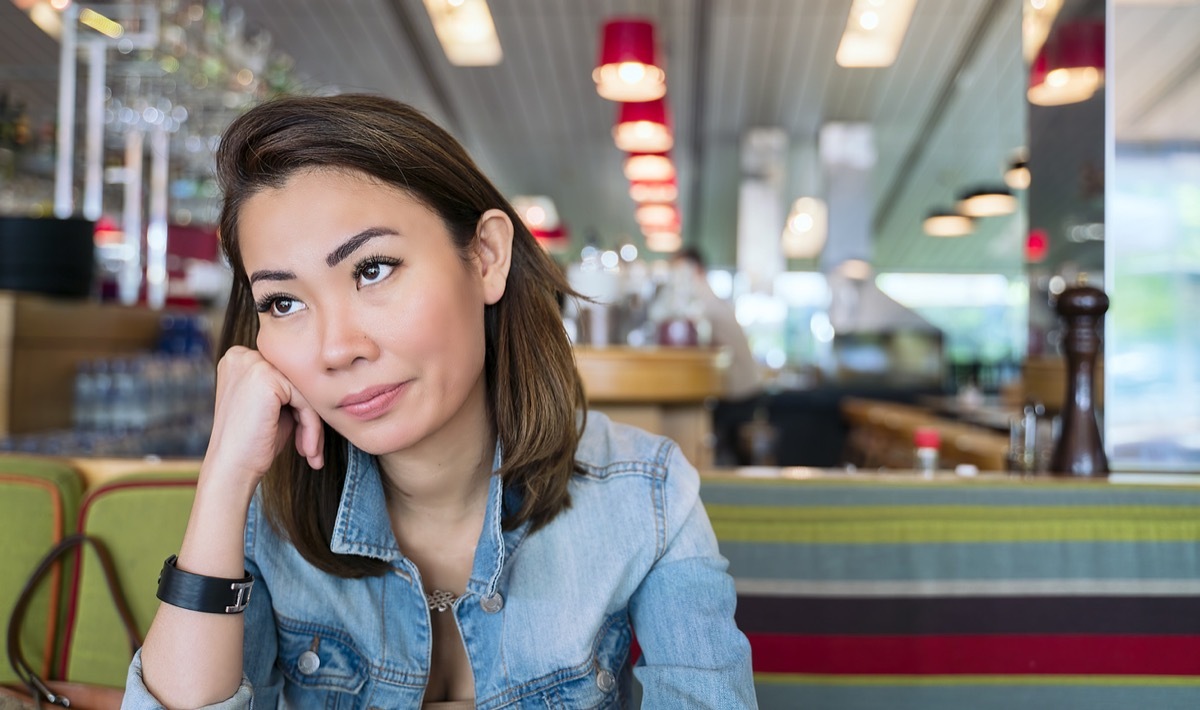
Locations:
column 495, row 232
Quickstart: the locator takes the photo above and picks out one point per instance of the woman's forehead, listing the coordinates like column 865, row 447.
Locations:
column 314, row 213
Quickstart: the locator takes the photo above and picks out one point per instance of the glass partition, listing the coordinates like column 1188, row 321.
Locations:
column 1152, row 245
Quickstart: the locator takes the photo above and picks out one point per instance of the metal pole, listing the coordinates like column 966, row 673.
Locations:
column 129, row 280
column 156, row 231
column 64, row 177
column 93, row 185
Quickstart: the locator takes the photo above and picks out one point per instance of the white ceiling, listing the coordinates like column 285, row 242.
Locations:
column 1159, row 101
column 946, row 115
column 536, row 124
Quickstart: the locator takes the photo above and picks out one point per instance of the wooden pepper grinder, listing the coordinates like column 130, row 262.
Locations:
column 1079, row 451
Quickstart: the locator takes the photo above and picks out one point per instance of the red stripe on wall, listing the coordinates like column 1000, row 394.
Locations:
column 977, row 655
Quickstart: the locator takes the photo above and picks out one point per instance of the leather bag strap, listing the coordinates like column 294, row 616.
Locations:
column 36, row 685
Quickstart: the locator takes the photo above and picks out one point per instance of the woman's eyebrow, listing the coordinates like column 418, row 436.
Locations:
column 350, row 245
column 266, row 275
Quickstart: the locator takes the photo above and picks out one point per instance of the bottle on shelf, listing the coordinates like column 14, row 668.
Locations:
column 926, row 445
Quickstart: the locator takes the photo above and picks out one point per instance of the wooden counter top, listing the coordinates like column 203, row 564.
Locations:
column 651, row 375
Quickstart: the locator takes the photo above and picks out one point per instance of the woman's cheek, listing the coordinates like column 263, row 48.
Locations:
column 279, row 354
column 265, row 345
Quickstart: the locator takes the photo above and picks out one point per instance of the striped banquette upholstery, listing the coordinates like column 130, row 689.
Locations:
column 892, row 592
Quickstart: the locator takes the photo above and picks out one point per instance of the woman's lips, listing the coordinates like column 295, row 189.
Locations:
column 372, row 402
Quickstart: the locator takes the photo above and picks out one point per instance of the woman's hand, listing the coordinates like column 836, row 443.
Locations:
column 192, row 659
column 258, row 411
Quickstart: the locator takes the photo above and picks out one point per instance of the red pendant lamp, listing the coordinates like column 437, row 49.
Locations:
column 657, row 216
column 1070, row 66
column 663, row 240
column 629, row 67
column 649, row 166
column 643, row 127
column 653, row 190
column 556, row 240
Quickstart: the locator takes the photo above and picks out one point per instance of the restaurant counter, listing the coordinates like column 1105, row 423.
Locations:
column 662, row 390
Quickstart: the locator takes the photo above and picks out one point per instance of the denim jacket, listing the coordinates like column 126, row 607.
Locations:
column 548, row 619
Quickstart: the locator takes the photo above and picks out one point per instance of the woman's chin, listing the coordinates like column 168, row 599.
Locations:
column 374, row 445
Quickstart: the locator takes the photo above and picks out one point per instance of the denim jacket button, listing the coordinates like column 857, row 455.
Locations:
column 492, row 603
column 308, row 663
column 605, row 680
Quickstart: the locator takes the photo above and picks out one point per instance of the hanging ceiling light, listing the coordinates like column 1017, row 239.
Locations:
column 946, row 223
column 666, row 241
column 536, row 211
column 657, row 215
column 653, row 190
column 806, row 228
column 1070, row 66
column 987, row 202
column 554, row 240
column 1037, row 17
column 643, row 127
column 649, row 166
column 1017, row 175
column 629, row 68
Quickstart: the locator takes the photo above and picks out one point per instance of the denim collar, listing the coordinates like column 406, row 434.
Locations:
column 363, row 526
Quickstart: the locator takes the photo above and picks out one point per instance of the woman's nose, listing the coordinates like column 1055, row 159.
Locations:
column 344, row 341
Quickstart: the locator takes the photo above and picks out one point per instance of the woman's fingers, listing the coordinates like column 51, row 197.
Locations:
column 310, row 431
column 258, row 413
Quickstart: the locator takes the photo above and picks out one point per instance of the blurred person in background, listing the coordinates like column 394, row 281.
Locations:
column 742, row 394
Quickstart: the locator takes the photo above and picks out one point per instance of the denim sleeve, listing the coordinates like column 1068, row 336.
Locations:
column 137, row 697
column 693, row 655
column 260, row 641
column 261, row 681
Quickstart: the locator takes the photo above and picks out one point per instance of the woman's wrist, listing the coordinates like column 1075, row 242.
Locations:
column 213, row 544
column 232, row 483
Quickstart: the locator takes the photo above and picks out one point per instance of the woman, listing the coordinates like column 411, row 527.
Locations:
column 400, row 476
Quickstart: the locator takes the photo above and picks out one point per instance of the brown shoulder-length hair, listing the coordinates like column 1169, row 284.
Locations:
column 534, row 389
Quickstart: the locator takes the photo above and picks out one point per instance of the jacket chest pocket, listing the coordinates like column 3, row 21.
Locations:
column 322, row 667
column 609, row 679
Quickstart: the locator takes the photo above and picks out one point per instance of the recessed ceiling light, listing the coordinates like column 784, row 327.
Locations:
column 466, row 31
column 874, row 32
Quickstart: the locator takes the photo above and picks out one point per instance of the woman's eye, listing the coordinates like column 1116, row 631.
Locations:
column 279, row 306
column 373, row 272
column 282, row 306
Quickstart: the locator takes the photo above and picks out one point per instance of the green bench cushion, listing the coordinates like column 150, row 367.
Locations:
column 140, row 519
column 39, row 498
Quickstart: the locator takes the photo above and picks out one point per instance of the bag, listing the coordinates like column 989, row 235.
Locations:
column 81, row 696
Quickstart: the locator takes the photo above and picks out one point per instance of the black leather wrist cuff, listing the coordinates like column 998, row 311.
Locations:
column 212, row 595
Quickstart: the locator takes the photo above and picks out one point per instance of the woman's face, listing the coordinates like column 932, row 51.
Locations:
column 367, row 308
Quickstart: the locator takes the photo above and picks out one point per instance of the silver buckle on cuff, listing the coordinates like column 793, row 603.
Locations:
column 243, row 597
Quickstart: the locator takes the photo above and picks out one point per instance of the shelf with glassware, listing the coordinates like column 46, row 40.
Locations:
column 81, row 378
